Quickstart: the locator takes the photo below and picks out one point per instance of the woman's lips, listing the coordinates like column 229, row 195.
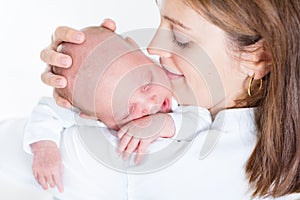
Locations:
column 172, row 75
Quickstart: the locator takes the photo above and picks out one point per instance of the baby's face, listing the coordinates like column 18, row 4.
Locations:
column 115, row 81
column 132, row 87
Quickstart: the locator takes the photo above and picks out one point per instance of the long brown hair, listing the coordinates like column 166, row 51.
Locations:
column 273, row 168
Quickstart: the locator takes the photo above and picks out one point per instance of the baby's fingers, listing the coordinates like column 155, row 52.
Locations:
column 42, row 181
column 122, row 132
column 58, row 181
column 141, row 151
column 124, row 142
column 131, row 147
column 49, row 179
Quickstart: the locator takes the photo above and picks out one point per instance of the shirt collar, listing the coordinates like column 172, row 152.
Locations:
column 231, row 120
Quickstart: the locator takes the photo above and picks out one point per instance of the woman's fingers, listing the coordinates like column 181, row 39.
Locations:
column 109, row 24
column 61, row 101
column 66, row 34
column 62, row 34
column 53, row 80
column 56, row 81
column 54, row 58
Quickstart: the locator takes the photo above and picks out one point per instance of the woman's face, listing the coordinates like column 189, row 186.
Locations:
column 196, row 56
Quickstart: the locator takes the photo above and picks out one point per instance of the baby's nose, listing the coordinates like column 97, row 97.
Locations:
column 151, row 106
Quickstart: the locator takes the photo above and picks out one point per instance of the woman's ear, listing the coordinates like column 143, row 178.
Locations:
column 257, row 60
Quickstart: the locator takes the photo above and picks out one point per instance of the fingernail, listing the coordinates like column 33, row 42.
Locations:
column 59, row 82
column 79, row 37
column 65, row 61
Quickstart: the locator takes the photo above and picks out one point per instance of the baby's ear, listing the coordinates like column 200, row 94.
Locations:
column 132, row 42
column 257, row 59
column 86, row 116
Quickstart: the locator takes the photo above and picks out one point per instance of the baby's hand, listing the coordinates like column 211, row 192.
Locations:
column 137, row 135
column 47, row 165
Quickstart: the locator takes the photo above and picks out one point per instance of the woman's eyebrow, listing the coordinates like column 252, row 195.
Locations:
column 174, row 21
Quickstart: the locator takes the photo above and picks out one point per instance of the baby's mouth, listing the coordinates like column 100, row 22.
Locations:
column 166, row 106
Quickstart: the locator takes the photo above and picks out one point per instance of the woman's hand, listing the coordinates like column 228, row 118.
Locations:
column 50, row 56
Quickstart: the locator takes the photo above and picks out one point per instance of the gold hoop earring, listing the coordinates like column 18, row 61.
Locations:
column 250, row 84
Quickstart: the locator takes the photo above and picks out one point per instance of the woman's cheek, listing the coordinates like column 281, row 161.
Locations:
column 199, row 87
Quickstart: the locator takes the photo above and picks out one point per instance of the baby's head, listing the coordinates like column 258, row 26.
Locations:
column 111, row 79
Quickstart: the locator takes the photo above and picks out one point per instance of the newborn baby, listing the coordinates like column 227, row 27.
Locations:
column 111, row 80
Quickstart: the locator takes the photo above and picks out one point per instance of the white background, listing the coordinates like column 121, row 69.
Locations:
column 26, row 28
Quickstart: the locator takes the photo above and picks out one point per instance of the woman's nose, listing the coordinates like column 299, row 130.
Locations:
column 159, row 45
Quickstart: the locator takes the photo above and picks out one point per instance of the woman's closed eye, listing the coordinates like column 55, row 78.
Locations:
column 180, row 44
column 180, row 40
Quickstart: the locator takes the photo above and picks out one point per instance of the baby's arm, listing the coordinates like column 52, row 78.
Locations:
column 138, row 134
column 47, row 165
column 182, row 124
column 42, row 138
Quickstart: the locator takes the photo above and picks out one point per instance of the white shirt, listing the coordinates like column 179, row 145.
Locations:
column 195, row 165
column 212, row 168
column 48, row 121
